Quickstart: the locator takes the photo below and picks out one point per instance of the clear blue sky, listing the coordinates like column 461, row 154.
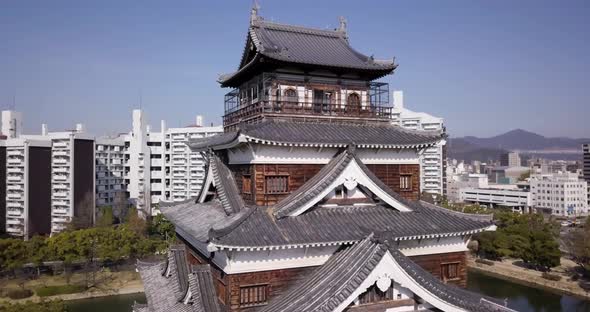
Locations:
column 485, row 66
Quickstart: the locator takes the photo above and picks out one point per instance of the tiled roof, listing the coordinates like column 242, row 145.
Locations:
column 331, row 284
column 225, row 185
column 452, row 294
column 282, row 132
column 304, row 46
column 341, row 224
column 167, row 284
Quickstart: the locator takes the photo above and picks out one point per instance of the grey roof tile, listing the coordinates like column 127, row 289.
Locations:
column 225, row 185
column 321, row 133
column 167, row 284
column 305, row 46
column 335, row 281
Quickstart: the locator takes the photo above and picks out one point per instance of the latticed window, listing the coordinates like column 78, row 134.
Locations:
column 450, row 271
column 246, row 184
column 253, row 295
column 405, row 182
column 374, row 294
column 276, row 184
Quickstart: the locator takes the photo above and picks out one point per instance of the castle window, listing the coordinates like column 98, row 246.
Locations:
column 290, row 95
column 276, row 184
column 374, row 294
column 253, row 295
column 405, row 182
column 450, row 271
column 354, row 101
column 246, row 184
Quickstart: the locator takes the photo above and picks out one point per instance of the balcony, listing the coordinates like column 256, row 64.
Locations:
column 14, row 196
column 16, row 161
column 298, row 99
column 59, row 211
column 63, row 153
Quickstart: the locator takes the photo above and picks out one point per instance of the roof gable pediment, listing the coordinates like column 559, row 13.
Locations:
column 345, row 170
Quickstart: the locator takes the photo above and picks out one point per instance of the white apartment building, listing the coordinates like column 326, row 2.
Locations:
column 27, row 194
column 110, row 173
column 432, row 161
column 560, row 194
column 160, row 166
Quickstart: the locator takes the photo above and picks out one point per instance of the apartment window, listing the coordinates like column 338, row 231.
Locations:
column 374, row 294
column 450, row 271
column 405, row 182
column 246, row 184
column 253, row 295
column 276, row 184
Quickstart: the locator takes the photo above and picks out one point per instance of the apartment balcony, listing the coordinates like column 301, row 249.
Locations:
column 58, row 227
column 431, row 168
column 60, row 177
column 13, row 221
column 61, row 144
column 60, row 219
column 157, row 175
column 178, row 136
column 431, row 162
column 15, row 178
column 61, row 153
column 60, row 161
column 61, row 202
column 15, row 187
column 60, row 194
column 60, row 186
column 15, row 196
column 60, row 211
column 16, row 161
column 15, row 170
column 430, row 173
column 17, row 152
column 156, row 150
column 15, row 231
column 61, row 170
column 14, row 213
column 179, row 163
column 15, row 204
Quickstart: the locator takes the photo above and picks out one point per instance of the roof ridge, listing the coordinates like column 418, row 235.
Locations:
column 298, row 28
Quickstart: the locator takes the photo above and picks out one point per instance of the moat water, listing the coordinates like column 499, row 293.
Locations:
column 519, row 297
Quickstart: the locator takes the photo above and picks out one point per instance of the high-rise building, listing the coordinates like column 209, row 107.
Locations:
column 110, row 173
column 559, row 194
column 511, row 159
column 27, row 186
column 160, row 166
column 433, row 160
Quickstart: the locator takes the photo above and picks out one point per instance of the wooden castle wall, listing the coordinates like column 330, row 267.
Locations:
column 298, row 174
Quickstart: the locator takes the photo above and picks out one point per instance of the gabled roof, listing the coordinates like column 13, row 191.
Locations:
column 288, row 44
column 169, row 286
column 312, row 191
column 225, row 185
column 334, row 285
column 291, row 133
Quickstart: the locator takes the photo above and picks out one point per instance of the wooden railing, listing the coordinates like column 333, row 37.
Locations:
column 316, row 109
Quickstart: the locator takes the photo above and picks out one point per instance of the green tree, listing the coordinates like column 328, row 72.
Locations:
column 106, row 217
column 162, row 228
column 38, row 252
column 135, row 223
column 13, row 254
column 29, row 306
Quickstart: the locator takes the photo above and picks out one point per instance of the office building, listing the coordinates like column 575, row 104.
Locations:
column 519, row 200
column 511, row 159
column 560, row 194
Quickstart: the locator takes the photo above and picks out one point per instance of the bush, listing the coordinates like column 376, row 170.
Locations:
column 29, row 306
column 59, row 290
column 484, row 261
column 551, row 277
column 18, row 293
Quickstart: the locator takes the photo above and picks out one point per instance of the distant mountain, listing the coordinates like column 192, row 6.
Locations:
column 524, row 140
column 473, row 148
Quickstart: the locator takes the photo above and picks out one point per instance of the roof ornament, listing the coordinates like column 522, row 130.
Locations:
column 254, row 13
column 343, row 22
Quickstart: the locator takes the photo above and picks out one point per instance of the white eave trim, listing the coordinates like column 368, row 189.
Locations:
column 337, row 145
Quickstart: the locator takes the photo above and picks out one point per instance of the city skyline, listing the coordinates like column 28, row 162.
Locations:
column 167, row 59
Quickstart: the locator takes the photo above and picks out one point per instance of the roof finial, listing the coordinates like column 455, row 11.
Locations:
column 342, row 26
column 254, row 12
